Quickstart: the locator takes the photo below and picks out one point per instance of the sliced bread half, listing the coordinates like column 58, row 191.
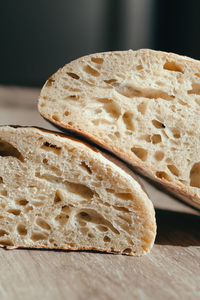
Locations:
column 142, row 105
column 59, row 193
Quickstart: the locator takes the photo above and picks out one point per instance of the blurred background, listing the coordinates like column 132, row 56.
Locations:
column 38, row 37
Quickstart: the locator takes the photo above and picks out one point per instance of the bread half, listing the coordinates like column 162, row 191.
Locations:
column 142, row 105
column 58, row 193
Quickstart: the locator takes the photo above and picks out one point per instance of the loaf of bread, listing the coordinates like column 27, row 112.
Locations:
column 59, row 193
column 144, row 106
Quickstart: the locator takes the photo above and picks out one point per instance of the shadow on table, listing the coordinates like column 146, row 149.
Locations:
column 177, row 228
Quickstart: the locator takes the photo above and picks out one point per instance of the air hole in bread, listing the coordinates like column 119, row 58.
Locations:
column 104, row 100
column 54, row 169
column 37, row 203
column 22, row 202
column 128, row 120
column 106, row 239
column 182, row 102
column 173, row 169
column 197, row 74
column 147, row 138
column 159, row 83
column 176, row 133
column 62, row 219
column 73, row 75
column 158, row 124
column 21, row 228
column 195, row 175
column 89, row 70
column 8, row 243
column 80, row 189
column 82, row 223
column 14, row 211
column 72, row 97
column 131, row 91
column 4, row 193
column 110, row 81
column 125, row 218
column 56, row 118
column 117, row 134
column 142, row 107
column 50, row 81
column 124, row 196
column 128, row 91
column 101, row 121
column 163, row 175
column 112, row 108
column 85, row 167
column 66, row 209
column 139, row 67
column 159, row 155
column 66, row 113
column 6, row 149
column 51, row 147
column 156, row 138
column 172, row 66
column 110, row 191
column 37, row 236
column 97, row 60
column 120, row 208
column 84, row 230
column 195, row 89
column 58, row 197
column 98, row 111
column 85, row 216
column 102, row 228
column 3, row 232
column 1, row 180
column 43, row 224
column 28, row 209
column 124, row 226
column 127, row 251
column 92, row 216
column 90, row 235
column 140, row 153
column 45, row 161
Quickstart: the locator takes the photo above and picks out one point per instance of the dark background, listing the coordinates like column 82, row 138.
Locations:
column 37, row 37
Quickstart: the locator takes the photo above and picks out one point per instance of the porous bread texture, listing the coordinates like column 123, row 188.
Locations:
column 58, row 193
column 142, row 105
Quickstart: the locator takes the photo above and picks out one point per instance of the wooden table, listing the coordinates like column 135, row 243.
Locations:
column 170, row 271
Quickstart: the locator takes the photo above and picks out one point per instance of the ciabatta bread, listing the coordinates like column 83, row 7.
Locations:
column 58, row 193
column 142, row 105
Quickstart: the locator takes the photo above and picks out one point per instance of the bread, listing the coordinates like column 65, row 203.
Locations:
column 59, row 193
column 144, row 106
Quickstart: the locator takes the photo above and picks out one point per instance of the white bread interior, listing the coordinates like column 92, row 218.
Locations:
column 143, row 105
column 58, row 193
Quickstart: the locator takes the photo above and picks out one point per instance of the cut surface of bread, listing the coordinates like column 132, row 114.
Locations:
column 142, row 105
column 59, row 193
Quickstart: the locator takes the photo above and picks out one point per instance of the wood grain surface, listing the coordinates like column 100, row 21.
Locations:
column 170, row 271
